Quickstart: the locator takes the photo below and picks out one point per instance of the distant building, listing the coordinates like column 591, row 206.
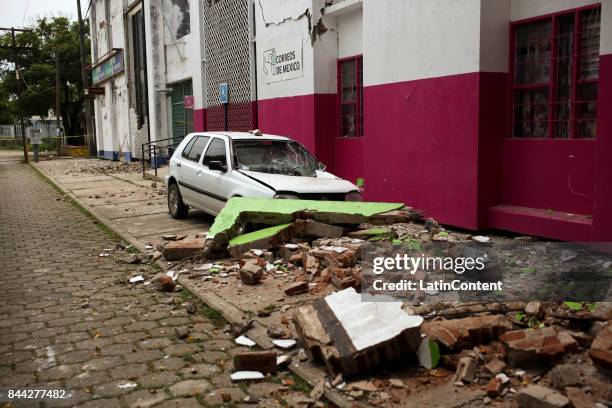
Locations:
column 483, row 113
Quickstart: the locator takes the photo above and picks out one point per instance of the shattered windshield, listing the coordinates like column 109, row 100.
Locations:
column 275, row 157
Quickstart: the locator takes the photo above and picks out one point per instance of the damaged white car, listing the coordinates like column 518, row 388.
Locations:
column 209, row 168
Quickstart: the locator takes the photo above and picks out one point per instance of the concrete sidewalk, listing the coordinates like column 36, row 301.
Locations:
column 129, row 204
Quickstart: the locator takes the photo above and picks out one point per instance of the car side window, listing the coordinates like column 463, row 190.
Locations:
column 215, row 152
column 185, row 152
column 197, row 148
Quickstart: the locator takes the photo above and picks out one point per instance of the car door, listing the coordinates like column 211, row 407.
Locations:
column 218, row 183
column 188, row 168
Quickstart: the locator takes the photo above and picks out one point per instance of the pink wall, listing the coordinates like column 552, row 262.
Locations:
column 602, row 207
column 421, row 146
column 492, row 113
column 199, row 120
column 309, row 119
column 349, row 158
column 549, row 174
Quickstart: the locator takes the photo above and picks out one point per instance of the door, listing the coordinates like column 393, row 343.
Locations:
column 218, row 183
column 182, row 118
column 188, row 171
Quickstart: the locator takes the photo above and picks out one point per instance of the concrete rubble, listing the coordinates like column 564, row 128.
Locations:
column 297, row 275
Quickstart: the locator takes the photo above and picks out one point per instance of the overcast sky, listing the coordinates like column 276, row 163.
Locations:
column 18, row 13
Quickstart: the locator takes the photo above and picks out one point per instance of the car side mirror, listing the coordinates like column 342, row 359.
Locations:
column 217, row 165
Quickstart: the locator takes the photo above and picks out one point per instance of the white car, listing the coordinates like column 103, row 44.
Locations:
column 209, row 168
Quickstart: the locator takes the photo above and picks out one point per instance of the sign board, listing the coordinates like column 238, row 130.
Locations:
column 107, row 67
column 283, row 61
column 35, row 136
column 188, row 101
column 223, row 93
column 94, row 90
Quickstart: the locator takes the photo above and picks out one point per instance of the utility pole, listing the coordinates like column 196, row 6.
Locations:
column 57, row 102
column 14, row 48
column 90, row 136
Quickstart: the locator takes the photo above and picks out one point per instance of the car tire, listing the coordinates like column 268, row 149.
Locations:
column 178, row 209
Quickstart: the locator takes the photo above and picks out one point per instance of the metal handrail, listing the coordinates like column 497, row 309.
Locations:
column 152, row 149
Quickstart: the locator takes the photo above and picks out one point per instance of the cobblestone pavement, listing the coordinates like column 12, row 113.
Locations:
column 70, row 320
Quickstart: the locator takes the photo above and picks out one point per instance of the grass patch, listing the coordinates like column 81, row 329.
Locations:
column 299, row 384
column 213, row 316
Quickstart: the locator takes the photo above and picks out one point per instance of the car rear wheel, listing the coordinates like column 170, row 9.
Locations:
column 178, row 210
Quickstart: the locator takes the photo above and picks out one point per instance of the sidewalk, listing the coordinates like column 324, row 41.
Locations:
column 129, row 204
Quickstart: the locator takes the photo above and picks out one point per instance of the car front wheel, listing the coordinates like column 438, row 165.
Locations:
column 178, row 210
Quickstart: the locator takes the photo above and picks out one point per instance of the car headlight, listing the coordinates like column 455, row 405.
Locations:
column 353, row 196
column 283, row 196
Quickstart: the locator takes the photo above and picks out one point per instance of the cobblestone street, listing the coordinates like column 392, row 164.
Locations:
column 69, row 319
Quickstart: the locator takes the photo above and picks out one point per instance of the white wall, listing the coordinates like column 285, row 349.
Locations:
column 177, row 51
column 533, row 8
column 606, row 28
column 350, row 34
column 196, row 53
column 494, row 35
column 276, row 20
column 416, row 39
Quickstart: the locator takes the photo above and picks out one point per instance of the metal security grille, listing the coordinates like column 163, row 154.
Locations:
column 226, row 40
column 182, row 118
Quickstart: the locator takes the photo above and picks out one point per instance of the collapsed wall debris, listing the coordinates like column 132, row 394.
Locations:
column 350, row 336
column 240, row 211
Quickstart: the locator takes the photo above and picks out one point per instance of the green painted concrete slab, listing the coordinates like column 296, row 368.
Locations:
column 259, row 234
column 230, row 214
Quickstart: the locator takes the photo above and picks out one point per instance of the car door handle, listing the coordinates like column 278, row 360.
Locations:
column 199, row 173
column 179, row 164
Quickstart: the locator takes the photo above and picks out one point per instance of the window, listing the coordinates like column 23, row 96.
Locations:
column 140, row 68
column 554, row 73
column 195, row 147
column 215, row 152
column 350, row 97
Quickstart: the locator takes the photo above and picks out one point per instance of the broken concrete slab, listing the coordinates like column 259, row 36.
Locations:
column 579, row 399
column 495, row 366
column 240, row 210
column 262, row 239
column 351, row 336
column 525, row 347
column 565, row 375
column 251, row 271
column 176, row 250
column 296, row 288
column 459, row 334
column 262, row 361
column 601, row 348
column 537, row 396
column 311, row 228
column 494, row 387
column 466, row 370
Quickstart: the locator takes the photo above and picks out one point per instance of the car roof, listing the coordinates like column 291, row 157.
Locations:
column 242, row 136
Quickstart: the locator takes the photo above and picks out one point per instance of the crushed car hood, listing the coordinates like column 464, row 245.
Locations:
column 323, row 183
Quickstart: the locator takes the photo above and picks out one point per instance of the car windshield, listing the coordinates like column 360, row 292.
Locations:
column 275, row 157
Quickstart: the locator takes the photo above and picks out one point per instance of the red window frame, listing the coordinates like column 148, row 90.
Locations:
column 355, row 104
column 553, row 103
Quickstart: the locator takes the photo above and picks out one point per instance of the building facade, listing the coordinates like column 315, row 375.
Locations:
column 482, row 113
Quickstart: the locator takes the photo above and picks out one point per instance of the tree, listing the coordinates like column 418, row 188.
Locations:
column 47, row 37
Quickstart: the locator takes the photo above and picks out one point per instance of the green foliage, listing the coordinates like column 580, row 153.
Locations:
column 47, row 37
